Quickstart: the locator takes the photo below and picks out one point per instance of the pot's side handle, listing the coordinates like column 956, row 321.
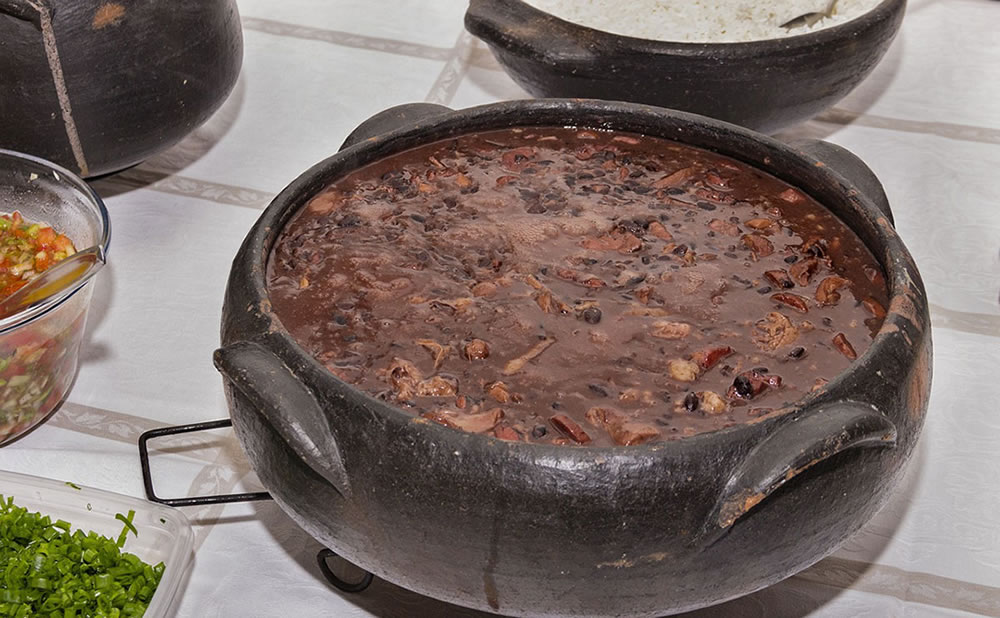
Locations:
column 526, row 31
column 392, row 119
column 791, row 449
column 848, row 164
column 284, row 403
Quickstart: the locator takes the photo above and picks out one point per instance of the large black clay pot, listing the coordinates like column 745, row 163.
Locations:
column 97, row 85
column 537, row 530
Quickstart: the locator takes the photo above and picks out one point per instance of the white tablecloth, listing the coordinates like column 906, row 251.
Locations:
column 927, row 121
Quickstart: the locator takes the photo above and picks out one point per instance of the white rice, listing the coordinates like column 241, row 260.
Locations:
column 699, row 21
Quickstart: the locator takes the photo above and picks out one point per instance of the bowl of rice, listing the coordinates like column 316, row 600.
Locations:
column 728, row 59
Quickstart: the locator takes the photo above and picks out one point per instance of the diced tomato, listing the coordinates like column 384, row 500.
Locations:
column 46, row 236
column 27, row 249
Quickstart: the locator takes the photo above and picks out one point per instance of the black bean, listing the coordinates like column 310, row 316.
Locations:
column 791, row 259
column 556, row 405
column 598, row 390
column 691, row 402
column 743, row 386
column 592, row 315
column 680, row 250
column 827, row 322
column 764, row 290
column 339, row 319
column 418, row 218
column 798, row 352
column 539, row 431
column 761, row 369
column 646, row 259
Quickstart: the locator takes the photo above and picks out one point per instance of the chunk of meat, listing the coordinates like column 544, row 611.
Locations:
column 515, row 365
column 325, row 202
column 656, row 229
column 724, row 227
column 617, row 240
column 774, row 331
column 758, row 244
column 498, row 391
column 682, row 370
column 792, row 196
column 476, row 349
column 803, row 270
column 437, row 386
column 663, row 329
column 799, row 303
column 473, row 423
column 780, row 279
column 570, row 428
column 504, row 432
column 550, row 304
column 711, row 403
column 484, row 288
column 827, row 293
column 516, row 159
column 623, row 430
column 404, row 378
column 709, row 357
column 874, row 307
column 844, row 346
column 674, row 179
column 761, row 224
column 438, row 351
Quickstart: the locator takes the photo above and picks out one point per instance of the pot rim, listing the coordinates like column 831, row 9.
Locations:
column 907, row 298
column 789, row 45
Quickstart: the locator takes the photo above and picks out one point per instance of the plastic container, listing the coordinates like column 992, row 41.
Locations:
column 165, row 534
column 39, row 347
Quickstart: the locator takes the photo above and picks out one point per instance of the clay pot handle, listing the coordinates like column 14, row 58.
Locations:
column 284, row 403
column 851, row 167
column 524, row 30
column 794, row 447
column 386, row 121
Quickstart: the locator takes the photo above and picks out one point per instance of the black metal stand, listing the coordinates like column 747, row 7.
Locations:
column 322, row 557
column 147, row 482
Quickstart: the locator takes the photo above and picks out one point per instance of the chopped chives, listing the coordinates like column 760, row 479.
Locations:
column 45, row 569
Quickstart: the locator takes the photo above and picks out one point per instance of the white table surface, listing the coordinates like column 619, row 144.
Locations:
column 927, row 121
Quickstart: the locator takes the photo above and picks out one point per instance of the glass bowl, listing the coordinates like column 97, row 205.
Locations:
column 39, row 347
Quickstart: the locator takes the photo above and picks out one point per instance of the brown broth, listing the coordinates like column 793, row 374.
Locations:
column 575, row 287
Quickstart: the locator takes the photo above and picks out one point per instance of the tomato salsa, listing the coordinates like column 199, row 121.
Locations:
column 37, row 359
column 27, row 249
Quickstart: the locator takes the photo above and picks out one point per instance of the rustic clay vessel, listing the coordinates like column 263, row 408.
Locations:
column 97, row 86
column 539, row 530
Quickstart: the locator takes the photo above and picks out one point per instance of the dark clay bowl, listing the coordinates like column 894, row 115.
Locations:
column 764, row 85
column 540, row 530
column 99, row 86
